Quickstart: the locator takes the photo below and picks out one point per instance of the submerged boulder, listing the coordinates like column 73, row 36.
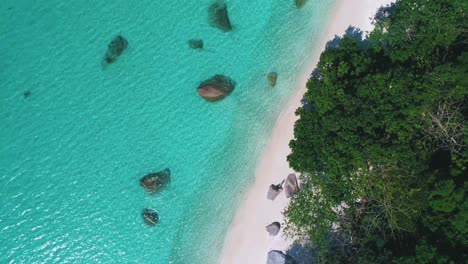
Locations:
column 278, row 257
column 196, row 43
column 150, row 216
column 300, row 3
column 216, row 88
column 115, row 48
column 218, row 16
column 273, row 228
column 290, row 186
column 272, row 77
column 156, row 181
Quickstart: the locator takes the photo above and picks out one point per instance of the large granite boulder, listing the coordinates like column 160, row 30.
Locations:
column 196, row 43
column 272, row 77
column 300, row 3
column 156, row 181
column 216, row 88
column 273, row 228
column 290, row 186
column 150, row 216
column 218, row 15
column 115, row 48
column 272, row 193
column 278, row 257
column 274, row 190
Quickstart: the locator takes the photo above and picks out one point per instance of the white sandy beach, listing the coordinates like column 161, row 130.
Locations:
column 247, row 241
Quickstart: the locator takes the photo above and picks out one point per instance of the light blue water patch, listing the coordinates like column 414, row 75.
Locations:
column 72, row 152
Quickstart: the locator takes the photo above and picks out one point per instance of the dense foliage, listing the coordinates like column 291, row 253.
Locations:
column 381, row 141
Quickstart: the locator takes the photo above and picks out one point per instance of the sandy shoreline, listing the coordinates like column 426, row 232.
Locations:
column 247, row 241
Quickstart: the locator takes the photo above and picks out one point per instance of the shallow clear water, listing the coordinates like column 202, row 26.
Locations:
column 71, row 153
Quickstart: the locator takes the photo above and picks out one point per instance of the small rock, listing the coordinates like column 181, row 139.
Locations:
column 273, row 228
column 154, row 182
column 150, row 217
column 196, row 43
column 219, row 17
column 216, row 88
column 278, row 257
column 115, row 48
column 272, row 77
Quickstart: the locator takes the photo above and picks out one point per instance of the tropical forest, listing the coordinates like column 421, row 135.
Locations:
column 381, row 141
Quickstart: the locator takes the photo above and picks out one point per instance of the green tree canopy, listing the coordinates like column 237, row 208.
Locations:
column 381, row 140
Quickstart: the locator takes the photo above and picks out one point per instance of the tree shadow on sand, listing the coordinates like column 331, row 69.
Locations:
column 351, row 32
column 302, row 253
column 383, row 13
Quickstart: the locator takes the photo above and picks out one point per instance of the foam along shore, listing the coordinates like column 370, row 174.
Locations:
column 247, row 240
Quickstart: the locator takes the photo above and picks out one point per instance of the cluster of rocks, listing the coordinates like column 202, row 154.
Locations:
column 212, row 89
column 154, row 182
column 290, row 187
column 215, row 88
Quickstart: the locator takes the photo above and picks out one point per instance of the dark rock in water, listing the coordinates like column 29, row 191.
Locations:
column 278, row 257
column 115, row 48
column 219, row 17
column 150, row 216
column 216, row 88
column 300, row 3
column 154, row 182
column 290, row 186
column 273, row 228
column 27, row 94
column 272, row 77
column 196, row 43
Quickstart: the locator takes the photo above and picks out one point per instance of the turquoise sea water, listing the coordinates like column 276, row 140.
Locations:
column 72, row 152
